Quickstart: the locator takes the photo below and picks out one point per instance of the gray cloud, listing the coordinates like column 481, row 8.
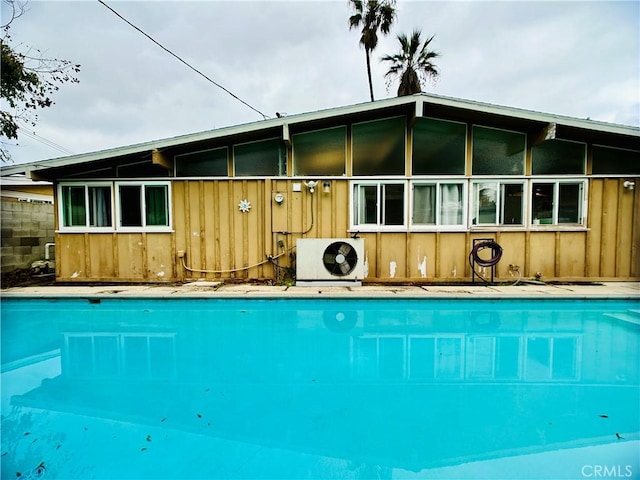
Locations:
column 572, row 58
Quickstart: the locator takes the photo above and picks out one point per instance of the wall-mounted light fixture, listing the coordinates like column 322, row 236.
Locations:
column 326, row 186
column 629, row 184
column 311, row 185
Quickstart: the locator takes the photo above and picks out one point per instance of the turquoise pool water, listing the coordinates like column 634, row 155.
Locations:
column 284, row 389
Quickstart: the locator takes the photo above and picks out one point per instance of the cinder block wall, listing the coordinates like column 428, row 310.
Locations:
column 26, row 227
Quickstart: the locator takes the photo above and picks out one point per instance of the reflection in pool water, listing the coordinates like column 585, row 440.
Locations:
column 319, row 388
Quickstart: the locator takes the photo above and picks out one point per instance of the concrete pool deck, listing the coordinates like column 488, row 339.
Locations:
column 208, row 289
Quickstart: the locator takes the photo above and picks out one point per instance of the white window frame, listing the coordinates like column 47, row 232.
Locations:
column 378, row 226
column 500, row 184
column 438, row 224
column 144, row 227
column 86, row 226
column 554, row 225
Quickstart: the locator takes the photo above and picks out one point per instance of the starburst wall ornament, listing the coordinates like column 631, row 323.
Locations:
column 244, row 206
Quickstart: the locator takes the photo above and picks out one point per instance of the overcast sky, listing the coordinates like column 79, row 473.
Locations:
column 580, row 59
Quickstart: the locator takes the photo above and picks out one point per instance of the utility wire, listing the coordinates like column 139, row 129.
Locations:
column 45, row 141
column 183, row 61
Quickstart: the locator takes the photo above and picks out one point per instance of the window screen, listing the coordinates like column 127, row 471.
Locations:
column 262, row 158
column 439, row 147
column 497, row 152
column 73, row 206
column 322, row 152
column 130, row 206
column 379, row 147
column 207, row 163
column 615, row 161
column 558, row 157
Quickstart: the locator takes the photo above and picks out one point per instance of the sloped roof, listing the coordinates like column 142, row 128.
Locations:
column 420, row 101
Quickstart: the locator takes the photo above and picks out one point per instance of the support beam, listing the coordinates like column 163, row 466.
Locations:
column 419, row 107
column 160, row 159
column 548, row 132
column 285, row 134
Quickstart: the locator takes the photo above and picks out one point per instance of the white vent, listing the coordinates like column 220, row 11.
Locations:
column 329, row 261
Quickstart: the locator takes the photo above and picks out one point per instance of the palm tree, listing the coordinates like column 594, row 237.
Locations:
column 413, row 64
column 371, row 15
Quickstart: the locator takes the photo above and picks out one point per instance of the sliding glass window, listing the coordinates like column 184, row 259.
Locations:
column 143, row 206
column 498, row 203
column 379, row 204
column 86, row 206
column 438, row 203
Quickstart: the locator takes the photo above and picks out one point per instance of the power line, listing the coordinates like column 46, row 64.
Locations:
column 183, row 61
column 45, row 141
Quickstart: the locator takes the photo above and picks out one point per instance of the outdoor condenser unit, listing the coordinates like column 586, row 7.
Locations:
column 329, row 261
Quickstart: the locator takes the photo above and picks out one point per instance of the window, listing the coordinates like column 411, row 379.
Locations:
column 498, row 152
column 321, row 152
column 262, row 158
column 498, row 203
column 379, row 204
column 439, row 147
column 438, row 203
column 608, row 160
column 379, row 147
column 557, row 157
column 206, row 163
column 143, row 206
column 557, row 202
column 86, row 206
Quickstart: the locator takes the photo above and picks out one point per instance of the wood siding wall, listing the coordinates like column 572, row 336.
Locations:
column 220, row 242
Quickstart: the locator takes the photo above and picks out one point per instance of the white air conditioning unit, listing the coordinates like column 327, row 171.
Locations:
column 329, row 261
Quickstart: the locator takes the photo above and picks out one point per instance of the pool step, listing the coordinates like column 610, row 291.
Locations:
column 631, row 316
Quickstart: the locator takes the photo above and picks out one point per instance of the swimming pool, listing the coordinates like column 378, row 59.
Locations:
column 336, row 388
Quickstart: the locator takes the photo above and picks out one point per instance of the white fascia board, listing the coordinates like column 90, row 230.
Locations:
column 532, row 115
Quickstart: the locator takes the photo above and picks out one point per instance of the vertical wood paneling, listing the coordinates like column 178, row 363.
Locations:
column 160, row 258
column 572, row 254
column 513, row 252
column 130, row 256
column 452, row 255
column 393, row 256
column 609, row 229
column 101, row 255
column 543, row 254
column 422, row 251
column 594, row 221
column 70, row 260
column 218, row 238
column 624, row 231
column 224, row 235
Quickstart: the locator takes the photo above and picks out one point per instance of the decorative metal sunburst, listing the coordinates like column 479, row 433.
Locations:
column 244, row 206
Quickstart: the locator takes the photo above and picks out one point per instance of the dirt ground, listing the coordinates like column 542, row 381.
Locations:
column 23, row 278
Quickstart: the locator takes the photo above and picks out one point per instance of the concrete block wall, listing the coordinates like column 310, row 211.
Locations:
column 26, row 228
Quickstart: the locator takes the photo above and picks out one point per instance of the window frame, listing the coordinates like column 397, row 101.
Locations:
column 87, row 226
column 282, row 162
column 353, row 148
column 471, row 161
column 143, row 227
column 556, row 182
column 500, row 182
column 296, row 173
column 465, row 159
column 378, row 226
column 438, row 205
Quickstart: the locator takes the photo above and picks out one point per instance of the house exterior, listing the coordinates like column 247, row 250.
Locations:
column 420, row 178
